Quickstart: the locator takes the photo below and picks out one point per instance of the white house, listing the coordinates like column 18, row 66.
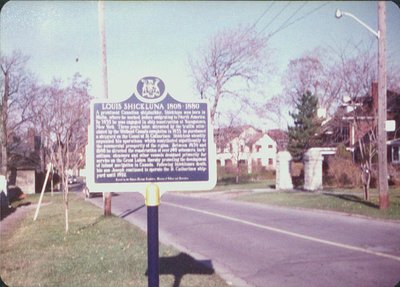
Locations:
column 247, row 146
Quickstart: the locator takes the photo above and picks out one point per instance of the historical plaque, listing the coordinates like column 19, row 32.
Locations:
column 150, row 138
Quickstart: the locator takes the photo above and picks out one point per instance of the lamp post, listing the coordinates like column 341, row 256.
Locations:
column 382, row 113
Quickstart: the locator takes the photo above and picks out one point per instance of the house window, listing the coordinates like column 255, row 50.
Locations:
column 258, row 148
column 396, row 154
column 270, row 161
column 241, row 148
column 270, row 146
column 230, row 148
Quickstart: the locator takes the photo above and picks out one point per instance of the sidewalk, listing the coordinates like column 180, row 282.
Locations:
column 12, row 217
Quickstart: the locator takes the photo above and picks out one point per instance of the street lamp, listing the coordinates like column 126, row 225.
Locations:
column 340, row 13
column 382, row 113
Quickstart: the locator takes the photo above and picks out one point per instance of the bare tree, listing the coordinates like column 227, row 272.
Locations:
column 232, row 64
column 41, row 120
column 357, row 72
column 66, row 117
column 310, row 73
column 368, row 149
column 303, row 75
column 16, row 88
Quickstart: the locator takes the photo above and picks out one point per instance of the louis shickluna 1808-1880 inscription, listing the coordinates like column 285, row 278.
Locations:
column 150, row 141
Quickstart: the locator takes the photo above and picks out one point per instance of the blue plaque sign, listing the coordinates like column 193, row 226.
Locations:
column 150, row 138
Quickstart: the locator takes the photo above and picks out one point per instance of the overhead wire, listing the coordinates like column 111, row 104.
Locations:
column 283, row 25
column 299, row 18
column 262, row 15
column 276, row 16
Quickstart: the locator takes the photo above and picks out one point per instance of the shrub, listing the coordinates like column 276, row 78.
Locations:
column 342, row 172
column 297, row 173
column 343, row 153
column 227, row 175
column 394, row 174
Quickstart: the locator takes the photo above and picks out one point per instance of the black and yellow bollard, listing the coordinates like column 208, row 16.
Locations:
column 152, row 203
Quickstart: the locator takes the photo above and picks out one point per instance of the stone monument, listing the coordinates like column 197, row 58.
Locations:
column 313, row 169
column 283, row 176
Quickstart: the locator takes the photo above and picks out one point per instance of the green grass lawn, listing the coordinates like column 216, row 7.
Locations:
column 262, row 184
column 347, row 201
column 98, row 251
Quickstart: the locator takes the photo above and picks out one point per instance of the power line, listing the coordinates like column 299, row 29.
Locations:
column 262, row 15
column 299, row 19
column 276, row 16
column 288, row 19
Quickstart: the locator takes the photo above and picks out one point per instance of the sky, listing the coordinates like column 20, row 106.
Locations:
column 145, row 38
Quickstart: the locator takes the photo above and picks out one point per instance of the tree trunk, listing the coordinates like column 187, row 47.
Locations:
column 66, row 189
column 215, row 104
column 4, row 119
column 237, row 173
column 3, row 156
column 366, row 179
column 366, row 190
column 66, row 214
column 43, row 157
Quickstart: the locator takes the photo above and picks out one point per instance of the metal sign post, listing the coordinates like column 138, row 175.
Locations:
column 153, row 265
column 150, row 143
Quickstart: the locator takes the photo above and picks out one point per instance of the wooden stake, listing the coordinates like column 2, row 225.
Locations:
column 49, row 167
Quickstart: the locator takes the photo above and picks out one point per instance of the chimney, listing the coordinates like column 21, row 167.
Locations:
column 31, row 139
column 374, row 95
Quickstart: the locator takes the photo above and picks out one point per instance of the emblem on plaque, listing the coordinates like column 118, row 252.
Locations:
column 150, row 88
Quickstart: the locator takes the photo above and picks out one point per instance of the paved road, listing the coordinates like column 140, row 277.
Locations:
column 255, row 245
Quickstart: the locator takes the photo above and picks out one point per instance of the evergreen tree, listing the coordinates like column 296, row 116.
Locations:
column 304, row 134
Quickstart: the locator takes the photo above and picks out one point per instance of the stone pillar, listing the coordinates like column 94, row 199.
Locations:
column 283, row 176
column 4, row 202
column 249, row 165
column 313, row 169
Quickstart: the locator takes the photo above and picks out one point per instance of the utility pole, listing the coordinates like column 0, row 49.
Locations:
column 382, row 102
column 382, row 109
column 102, row 30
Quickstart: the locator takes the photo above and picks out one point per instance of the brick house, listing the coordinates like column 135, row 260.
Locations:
column 356, row 117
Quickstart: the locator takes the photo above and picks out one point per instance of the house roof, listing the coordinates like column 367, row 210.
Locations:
column 395, row 142
column 365, row 107
column 370, row 101
column 280, row 137
column 252, row 140
column 224, row 135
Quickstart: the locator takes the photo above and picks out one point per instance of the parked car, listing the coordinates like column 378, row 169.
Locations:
column 88, row 194
column 72, row 179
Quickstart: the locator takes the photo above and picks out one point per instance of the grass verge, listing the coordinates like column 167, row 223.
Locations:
column 262, row 184
column 98, row 251
column 347, row 201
